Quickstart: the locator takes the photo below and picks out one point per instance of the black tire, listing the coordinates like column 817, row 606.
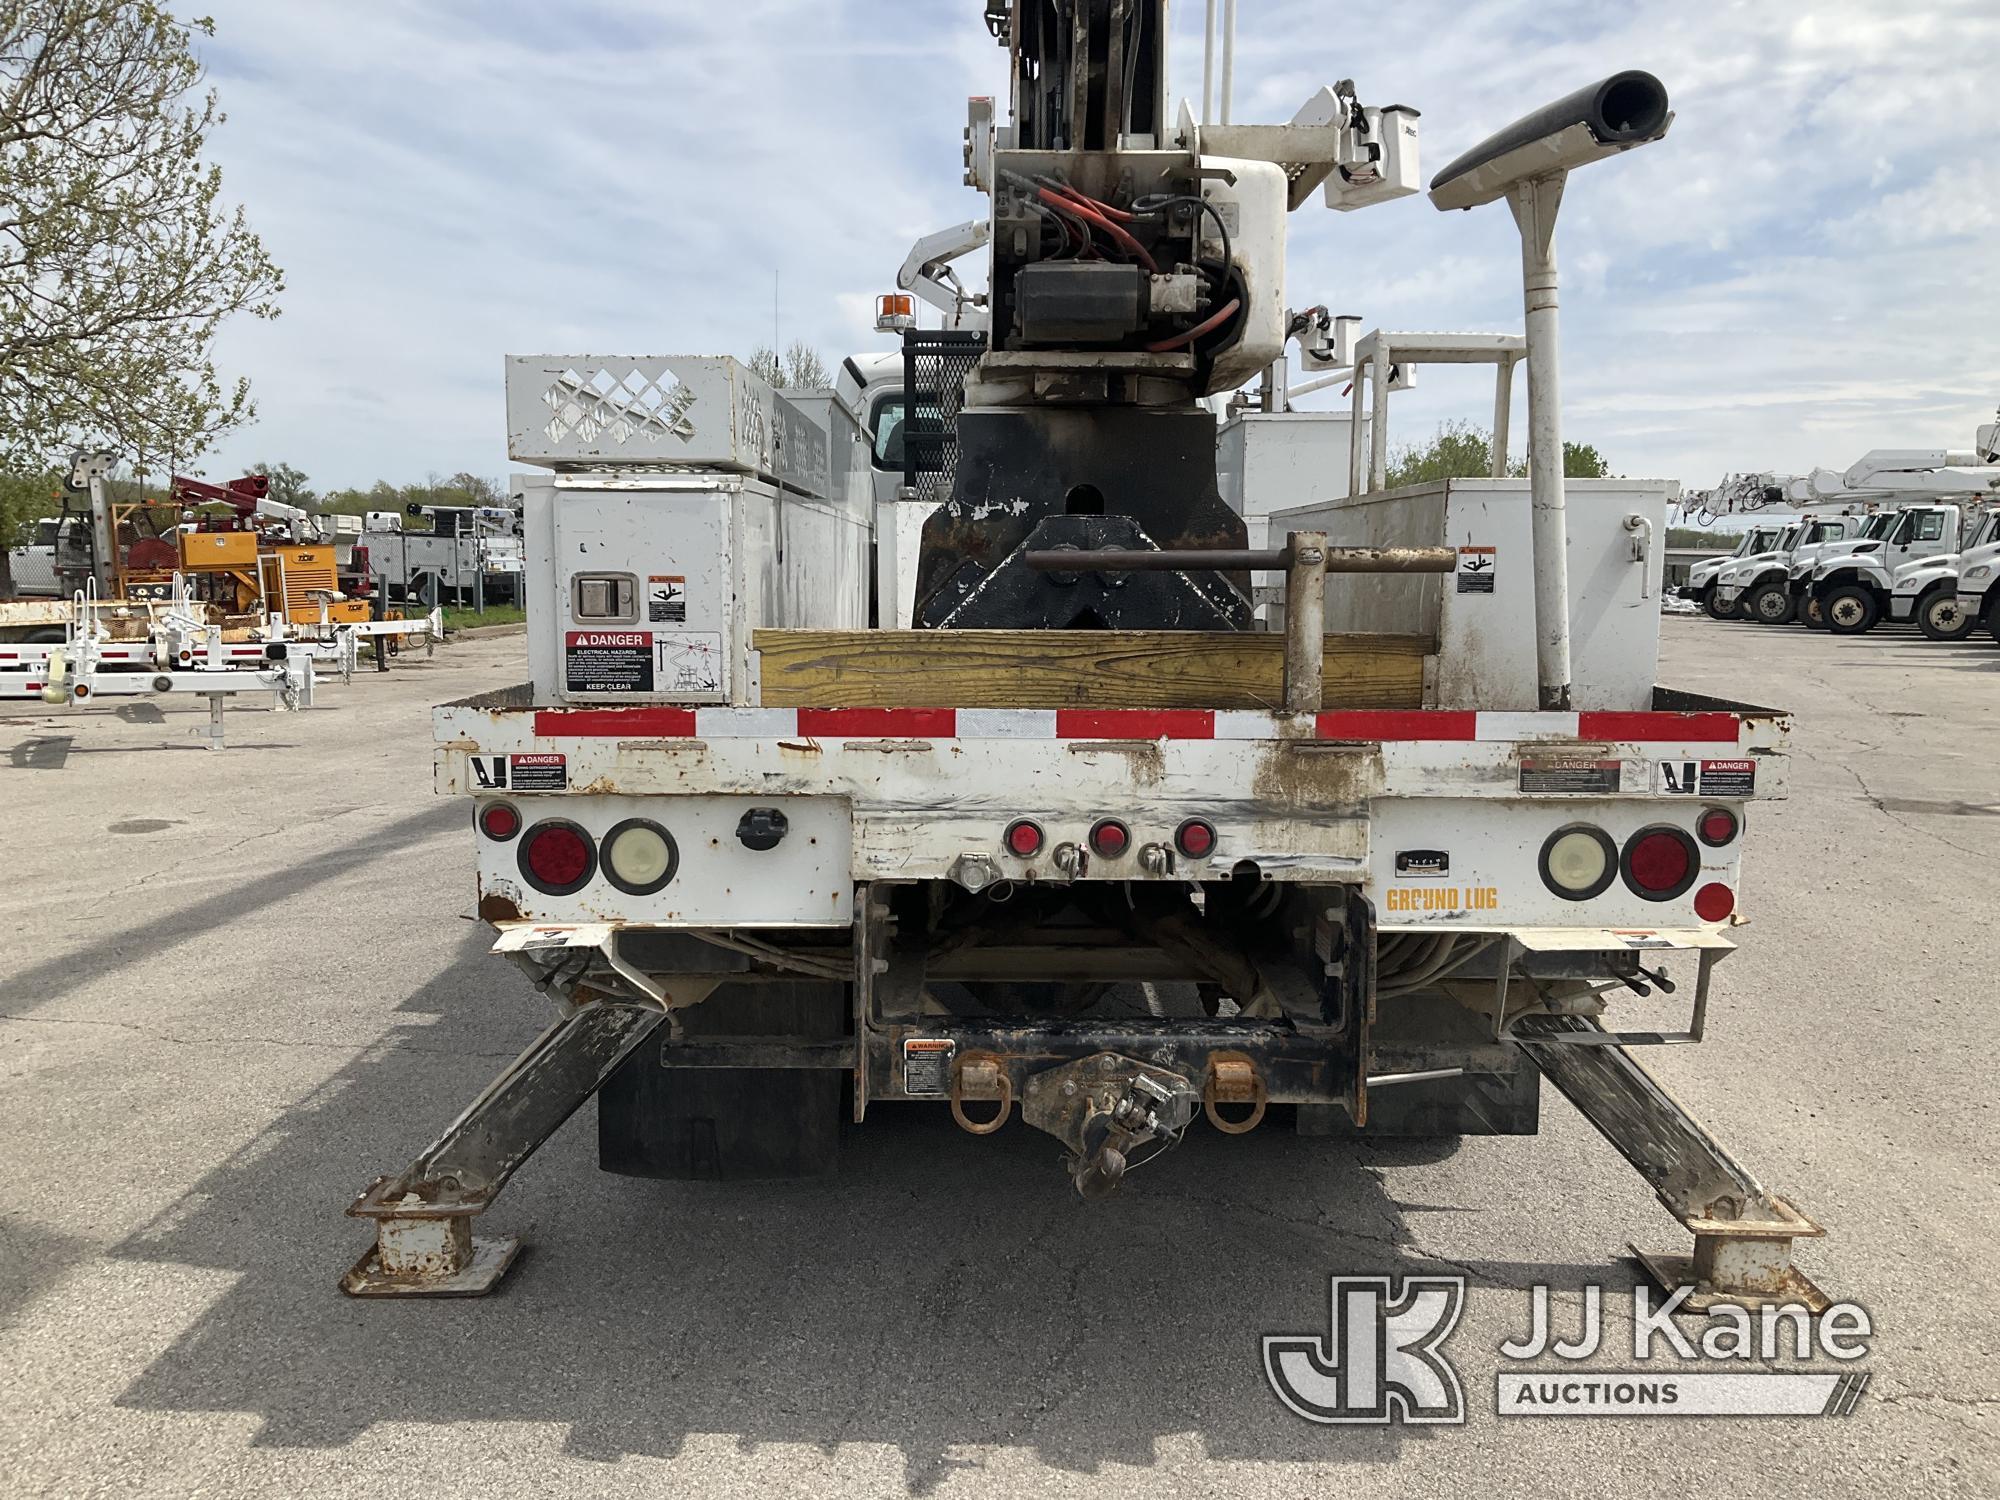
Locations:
column 1940, row 618
column 1771, row 604
column 729, row 1124
column 1812, row 614
column 1851, row 610
column 1713, row 604
column 1993, row 614
column 52, row 635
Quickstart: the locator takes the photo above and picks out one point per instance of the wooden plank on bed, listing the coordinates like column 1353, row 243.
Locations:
column 1074, row 669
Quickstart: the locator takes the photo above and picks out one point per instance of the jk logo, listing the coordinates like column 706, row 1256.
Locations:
column 1380, row 1361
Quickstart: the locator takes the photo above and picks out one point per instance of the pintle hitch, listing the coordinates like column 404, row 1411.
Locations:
column 1114, row 1113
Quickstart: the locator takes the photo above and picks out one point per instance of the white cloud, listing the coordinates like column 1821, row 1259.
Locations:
column 1799, row 272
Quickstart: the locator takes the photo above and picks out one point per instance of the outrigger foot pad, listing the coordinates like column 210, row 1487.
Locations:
column 424, row 1246
column 429, row 1257
column 1741, row 1263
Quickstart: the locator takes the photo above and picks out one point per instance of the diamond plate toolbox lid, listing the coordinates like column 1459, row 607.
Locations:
column 673, row 411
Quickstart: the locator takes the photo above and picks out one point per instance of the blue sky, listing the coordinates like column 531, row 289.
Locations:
column 1806, row 268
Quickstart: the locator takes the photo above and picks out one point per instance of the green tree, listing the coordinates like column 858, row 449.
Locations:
column 1461, row 450
column 288, row 485
column 800, row 367
column 24, row 499
column 118, row 258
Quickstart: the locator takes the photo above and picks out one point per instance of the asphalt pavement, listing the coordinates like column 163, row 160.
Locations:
column 236, row 986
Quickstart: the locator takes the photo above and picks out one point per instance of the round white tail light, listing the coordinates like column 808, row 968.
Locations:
column 1579, row 862
column 639, row 857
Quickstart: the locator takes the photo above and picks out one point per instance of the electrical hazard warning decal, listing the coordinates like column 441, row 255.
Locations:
column 1476, row 566
column 667, row 599
column 608, row 661
column 1706, row 778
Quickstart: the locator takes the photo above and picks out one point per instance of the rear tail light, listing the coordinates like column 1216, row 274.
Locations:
column 557, row 857
column 1195, row 838
column 1579, row 862
column 1718, row 826
column 1660, row 863
column 499, row 821
column 1023, row 838
column 1110, row 838
column 640, row 857
column 1714, row 902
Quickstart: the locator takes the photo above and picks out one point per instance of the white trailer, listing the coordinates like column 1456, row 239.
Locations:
column 182, row 656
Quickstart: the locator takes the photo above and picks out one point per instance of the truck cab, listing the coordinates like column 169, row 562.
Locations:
column 870, row 388
column 1854, row 586
column 1700, row 585
column 1977, row 599
column 1742, row 577
column 1807, row 560
column 1926, row 590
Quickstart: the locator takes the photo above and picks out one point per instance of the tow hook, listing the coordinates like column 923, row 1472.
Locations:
column 1114, row 1113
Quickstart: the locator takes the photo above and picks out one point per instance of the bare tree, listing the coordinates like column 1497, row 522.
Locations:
column 801, row 366
column 118, row 258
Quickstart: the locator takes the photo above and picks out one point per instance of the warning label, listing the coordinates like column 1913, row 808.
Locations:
column 1476, row 566
column 1569, row 775
column 608, row 661
column 1728, row 778
column 691, row 661
column 539, row 773
column 927, row 1065
column 667, row 599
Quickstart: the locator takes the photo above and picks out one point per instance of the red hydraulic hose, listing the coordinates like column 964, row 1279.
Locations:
column 1092, row 216
column 1208, row 325
column 1099, row 205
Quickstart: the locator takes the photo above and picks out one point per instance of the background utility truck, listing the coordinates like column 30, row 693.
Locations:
column 1700, row 585
column 1078, row 844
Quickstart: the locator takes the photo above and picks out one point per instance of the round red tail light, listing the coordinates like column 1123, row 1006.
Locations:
column 499, row 821
column 1714, row 902
column 557, row 857
column 1023, row 838
column 1195, row 838
column 1660, row 863
column 1718, row 826
column 1110, row 838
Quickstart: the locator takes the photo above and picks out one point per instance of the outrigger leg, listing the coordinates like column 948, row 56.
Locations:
column 424, row 1246
column 1742, row 1234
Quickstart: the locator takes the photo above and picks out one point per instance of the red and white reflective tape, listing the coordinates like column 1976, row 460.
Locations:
column 650, row 722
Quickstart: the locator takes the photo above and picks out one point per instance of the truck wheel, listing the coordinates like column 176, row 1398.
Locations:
column 1771, row 604
column 1940, row 618
column 729, row 1124
column 1812, row 615
column 1850, row 609
column 1713, row 604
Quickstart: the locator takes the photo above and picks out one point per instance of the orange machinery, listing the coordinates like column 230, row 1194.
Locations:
column 236, row 566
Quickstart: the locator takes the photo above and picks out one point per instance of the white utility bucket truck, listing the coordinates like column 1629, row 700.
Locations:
column 1070, row 840
column 1758, row 585
column 1700, row 585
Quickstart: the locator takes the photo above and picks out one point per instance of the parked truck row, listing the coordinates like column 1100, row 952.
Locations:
column 1902, row 537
